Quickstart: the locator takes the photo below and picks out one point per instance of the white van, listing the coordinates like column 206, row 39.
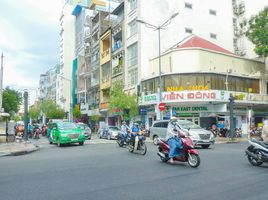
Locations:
column 199, row 135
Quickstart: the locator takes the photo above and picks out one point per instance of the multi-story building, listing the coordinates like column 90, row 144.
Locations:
column 42, row 86
column 243, row 10
column 116, row 47
column 198, row 78
column 217, row 21
column 51, row 83
column 67, row 55
column 79, row 67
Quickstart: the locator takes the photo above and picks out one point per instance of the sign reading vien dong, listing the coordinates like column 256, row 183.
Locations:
column 184, row 96
column 210, row 95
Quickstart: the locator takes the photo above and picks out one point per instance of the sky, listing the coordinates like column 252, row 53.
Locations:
column 29, row 40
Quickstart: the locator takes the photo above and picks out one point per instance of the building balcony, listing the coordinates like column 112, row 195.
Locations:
column 117, row 47
column 105, row 83
column 117, row 70
column 105, row 56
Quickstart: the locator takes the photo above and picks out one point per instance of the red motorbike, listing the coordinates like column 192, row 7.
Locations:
column 44, row 130
column 188, row 153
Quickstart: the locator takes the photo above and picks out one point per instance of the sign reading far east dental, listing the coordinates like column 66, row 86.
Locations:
column 202, row 108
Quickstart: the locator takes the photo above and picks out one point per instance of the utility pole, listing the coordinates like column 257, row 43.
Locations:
column 1, row 81
column 25, row 96
column 231, row 107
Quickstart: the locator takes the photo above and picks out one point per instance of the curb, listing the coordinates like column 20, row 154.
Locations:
column 19, row 153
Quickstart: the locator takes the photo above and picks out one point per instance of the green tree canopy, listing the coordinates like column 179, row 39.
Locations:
column 34, row 112
column 11, row 100
column 258, row 32
column 77, row 113
column 51, row 109
column 119, row 99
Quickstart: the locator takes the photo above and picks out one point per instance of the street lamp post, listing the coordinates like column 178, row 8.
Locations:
column 158, row 28
column 229, row 71
column 71, row 107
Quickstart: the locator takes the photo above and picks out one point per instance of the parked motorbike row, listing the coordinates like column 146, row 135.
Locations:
column 32, row 132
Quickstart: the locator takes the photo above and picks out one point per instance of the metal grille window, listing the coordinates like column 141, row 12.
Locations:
column 213, row 36
column 188, row 30
column 132, row 55
column 133, row 76
column 132, row 5
column 212, row 12
column 188, row 5
column 132, row 27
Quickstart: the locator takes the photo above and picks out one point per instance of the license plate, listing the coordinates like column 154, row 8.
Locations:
column 206, row 141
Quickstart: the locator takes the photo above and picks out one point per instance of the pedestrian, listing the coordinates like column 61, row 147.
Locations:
column 264, row 134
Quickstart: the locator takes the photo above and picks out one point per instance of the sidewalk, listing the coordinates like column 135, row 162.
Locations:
column 223, row 140
column 15, row 149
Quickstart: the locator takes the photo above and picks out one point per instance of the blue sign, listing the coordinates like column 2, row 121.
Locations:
column 143, row 111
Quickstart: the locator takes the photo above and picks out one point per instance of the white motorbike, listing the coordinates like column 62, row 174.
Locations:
column 257, row 152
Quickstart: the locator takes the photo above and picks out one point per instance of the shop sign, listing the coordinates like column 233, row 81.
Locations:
column 148, row 99
column 143, row 111
column 189, row 88
column 202, row 108
column 212, row 95
column 117, row 111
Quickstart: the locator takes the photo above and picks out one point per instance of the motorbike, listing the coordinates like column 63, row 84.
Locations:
column 188, row 153
column 122, row 140
column 257, row 152
column 44, row 130
column 36, row 132
column 137, row 145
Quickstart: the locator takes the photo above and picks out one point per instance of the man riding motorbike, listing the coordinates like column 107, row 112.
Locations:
column 124, row 132
column 173, row 139
column 134, row 134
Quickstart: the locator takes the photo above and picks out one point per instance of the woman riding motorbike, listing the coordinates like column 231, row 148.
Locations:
column 173, row 139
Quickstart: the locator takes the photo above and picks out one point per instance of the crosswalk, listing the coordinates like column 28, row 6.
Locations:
column 101, row 141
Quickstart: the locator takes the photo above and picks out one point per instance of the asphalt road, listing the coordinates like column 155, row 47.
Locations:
column 105, row 171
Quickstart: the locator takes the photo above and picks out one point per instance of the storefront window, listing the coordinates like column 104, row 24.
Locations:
column 213, row 81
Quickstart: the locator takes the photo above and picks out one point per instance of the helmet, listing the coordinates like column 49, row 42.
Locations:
column 136, row 124
column 173, row 118
column 124, row 122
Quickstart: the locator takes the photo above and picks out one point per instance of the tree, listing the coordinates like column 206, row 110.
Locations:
column 11, row 100
column 77, row 113
column 34, row 112
column 51, row 109
column 258, row 32
column 119, row 99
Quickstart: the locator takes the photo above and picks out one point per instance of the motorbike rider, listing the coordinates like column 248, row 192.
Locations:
column 124, row 130
column 264, row 134
column 134, row 133
column 173, row 139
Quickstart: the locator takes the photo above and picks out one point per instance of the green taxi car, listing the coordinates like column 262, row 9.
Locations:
column 66, row 133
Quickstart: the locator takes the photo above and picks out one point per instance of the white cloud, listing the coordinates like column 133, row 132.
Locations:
column 10, row 36
column 24, row 28
column 47, row 11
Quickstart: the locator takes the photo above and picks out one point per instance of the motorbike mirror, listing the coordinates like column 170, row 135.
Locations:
column 174, row 129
